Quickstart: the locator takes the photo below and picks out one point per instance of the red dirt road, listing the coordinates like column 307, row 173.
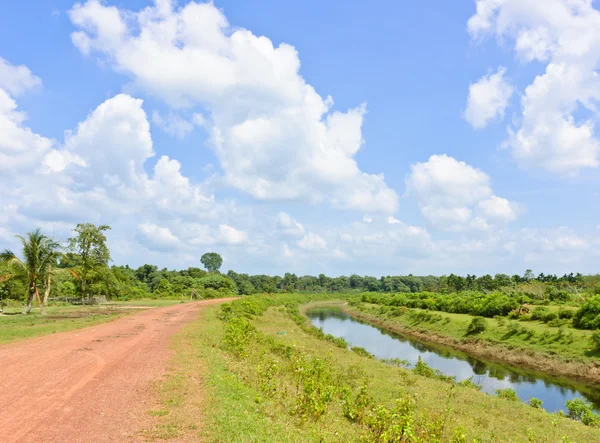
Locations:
column 87, row 385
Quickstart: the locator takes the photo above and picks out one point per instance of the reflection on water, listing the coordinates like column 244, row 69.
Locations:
column 553, row 391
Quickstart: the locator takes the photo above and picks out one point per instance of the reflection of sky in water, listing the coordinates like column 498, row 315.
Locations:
column 490, row 376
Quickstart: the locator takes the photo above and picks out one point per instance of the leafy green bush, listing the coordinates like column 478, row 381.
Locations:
column 539, row 313
column 535, row 403
column 507, row 393
column 565, row 313
column 477, row 325
column 588, row 316
column 582, row 411
column 549, row 316
column 596, row 340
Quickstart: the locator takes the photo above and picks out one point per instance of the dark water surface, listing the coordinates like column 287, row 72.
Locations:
column 554, row 391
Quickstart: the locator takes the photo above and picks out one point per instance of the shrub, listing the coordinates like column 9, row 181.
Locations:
column 539, row 313
column 565, row 313
column 588, row 316
column 535, row 403
column 507, row 393
column 468, row 383
column 582, row 411
column 361, row 351
column 549, row 316
column 477, row 325
column 596, row 340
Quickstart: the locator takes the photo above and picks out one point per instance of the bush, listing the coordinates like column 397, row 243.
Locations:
column 507, row 393
column 477, row 325
column 588, row 316
column 539, row 313
column 535, row 403
column 565, row 313
column 596, row 340
column 582, row 411
column 549, row 316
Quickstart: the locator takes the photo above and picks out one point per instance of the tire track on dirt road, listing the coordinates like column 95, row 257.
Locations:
column 91, row 384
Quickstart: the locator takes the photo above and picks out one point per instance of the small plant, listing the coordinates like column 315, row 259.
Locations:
column 535, row 403
column 582, row 411
column 565, row 313
column 514, row 328
column 361, row 351
column 596, row 340
column 396, row 362
column 508, row 394
column 477, row 326
column 468, row 383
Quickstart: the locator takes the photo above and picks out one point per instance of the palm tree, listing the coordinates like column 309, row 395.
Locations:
column 40, row 254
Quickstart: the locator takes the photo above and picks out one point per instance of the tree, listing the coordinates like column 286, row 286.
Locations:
column 89, row 244
column 40, row 254
column 211, row 261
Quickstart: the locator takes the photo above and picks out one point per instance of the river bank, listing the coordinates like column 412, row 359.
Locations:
column 484, row 348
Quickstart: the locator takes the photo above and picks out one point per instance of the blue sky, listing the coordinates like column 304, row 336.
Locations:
column 458, row 137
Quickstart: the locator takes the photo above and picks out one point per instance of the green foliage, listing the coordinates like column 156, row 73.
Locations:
column 596, row 340
column 535, row 403
column 362, row 351
column 565, row 313
column 582, row 411
column 468, row 383
column 466, row 302
column 588, row 316
column 507, row 393
column 89, row 245
column 211, row 261
column 477, row 325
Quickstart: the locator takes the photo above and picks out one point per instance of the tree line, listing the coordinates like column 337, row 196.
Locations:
column 79, row 268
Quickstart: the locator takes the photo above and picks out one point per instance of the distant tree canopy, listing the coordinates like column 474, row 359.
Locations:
column 211, row 261
column 83, row 270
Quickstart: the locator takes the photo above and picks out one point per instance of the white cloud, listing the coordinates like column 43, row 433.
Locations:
column 231, row 236
column 498, row 208
column 275, row 137
column 20, row 148
column 173, row 124
column 448, row 191
column 17, row 79
column 559, row 108
column 488, row 98
column 157, row 237
column 312, row 242
column 287, row 225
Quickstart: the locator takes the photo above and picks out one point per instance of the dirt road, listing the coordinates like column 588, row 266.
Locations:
column 88, row 385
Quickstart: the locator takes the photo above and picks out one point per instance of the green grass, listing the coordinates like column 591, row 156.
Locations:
column 59, row 319
column 210, row 395
column 65, row 317
column 566, row 342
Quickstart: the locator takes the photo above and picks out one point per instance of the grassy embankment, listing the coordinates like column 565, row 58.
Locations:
column 563, row 351
column 60, row 318
column 239, row 380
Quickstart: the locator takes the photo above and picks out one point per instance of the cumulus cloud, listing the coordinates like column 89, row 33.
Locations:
column 231, row 236
column 455, row 196
column 488, row 98
column 312, row 242
column 157, row 237
column 275, row 136
column 559, row 108
column 16, row 80
column 173, row 124
column 286, row 225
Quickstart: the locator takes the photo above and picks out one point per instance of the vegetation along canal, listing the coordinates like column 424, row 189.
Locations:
column 553, row 391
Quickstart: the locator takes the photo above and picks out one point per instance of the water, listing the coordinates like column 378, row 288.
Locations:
column 553, row 391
